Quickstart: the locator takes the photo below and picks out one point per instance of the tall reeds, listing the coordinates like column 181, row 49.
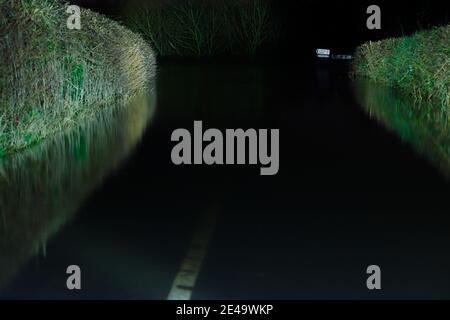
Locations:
column 418, row 65
column 53, row 78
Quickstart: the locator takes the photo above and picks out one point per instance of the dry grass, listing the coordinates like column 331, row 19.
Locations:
column 53, row 78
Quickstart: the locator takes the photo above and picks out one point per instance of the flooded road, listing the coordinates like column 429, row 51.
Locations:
column 350, row 192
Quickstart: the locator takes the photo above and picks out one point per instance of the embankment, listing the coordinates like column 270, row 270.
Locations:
column 53, row 78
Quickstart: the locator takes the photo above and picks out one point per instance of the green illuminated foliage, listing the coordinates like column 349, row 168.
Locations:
column 53, row 78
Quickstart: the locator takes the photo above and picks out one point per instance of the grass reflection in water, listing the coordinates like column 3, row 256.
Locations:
column 41, row 188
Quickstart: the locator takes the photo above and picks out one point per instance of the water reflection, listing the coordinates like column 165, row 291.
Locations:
column 428, row 132
column 41, row 188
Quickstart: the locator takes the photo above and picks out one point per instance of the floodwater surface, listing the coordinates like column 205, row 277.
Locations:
column 351, row 192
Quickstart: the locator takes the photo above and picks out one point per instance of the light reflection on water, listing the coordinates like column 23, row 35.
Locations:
column 42, row 187
column 40, row 191
column 420, row 125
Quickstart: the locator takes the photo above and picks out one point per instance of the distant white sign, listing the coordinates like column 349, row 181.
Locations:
column 323, row 53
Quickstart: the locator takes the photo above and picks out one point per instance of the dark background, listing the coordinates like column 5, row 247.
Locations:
column 306, row 25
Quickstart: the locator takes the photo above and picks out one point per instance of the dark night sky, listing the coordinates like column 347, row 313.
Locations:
column 338, row 24
column 342, row 24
